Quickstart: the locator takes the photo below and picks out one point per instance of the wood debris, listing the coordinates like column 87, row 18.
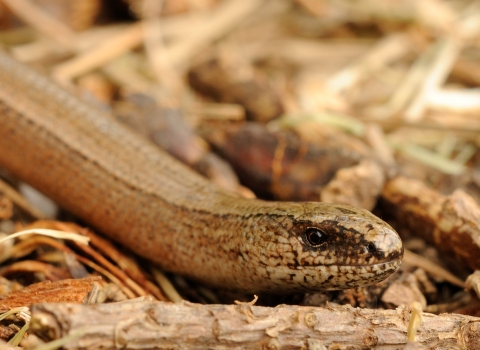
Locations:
column 146, row 324
column 451, row 223
column 64, row 291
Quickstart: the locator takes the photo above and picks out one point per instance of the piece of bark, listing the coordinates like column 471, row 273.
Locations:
column 159, row 325
column 472, row 283
column 226, row 83
column 281, row 164
column 413, row 346
column 323, row 135
column 359, row 185
column 404, row 291
column 451, row 223
column 65, row 291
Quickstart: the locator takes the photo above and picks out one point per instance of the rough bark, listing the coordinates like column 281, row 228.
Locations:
column 147, row 325
column 451, row 223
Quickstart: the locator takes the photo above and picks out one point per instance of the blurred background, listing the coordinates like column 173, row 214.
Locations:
column 401, row 75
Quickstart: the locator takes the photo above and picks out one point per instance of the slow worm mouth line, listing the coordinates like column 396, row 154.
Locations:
column 396, row 262
column 391, row 262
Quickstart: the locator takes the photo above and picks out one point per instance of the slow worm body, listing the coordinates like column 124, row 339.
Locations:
column 146, row 200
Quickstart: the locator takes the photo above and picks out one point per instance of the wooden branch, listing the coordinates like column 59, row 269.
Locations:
column 451, row 223
column 144, row 324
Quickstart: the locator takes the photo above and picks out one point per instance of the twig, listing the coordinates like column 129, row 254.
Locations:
column 101, row 54
column 387, row 50
column 432, row 268
column 447, row 51
column 43, row 22
column 18, row 199
column 227, row 16
column 455, row 100
column 146, row 324
column 166, row 285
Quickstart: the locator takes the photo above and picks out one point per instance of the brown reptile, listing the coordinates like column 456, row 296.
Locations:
column 141, row 197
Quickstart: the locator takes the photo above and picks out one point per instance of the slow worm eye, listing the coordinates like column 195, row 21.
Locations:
column 370, row 247
column 315, row 236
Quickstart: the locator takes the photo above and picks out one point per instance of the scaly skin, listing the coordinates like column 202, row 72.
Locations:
column 146, row 200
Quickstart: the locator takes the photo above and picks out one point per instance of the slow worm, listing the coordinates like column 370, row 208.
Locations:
column 141, row 197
